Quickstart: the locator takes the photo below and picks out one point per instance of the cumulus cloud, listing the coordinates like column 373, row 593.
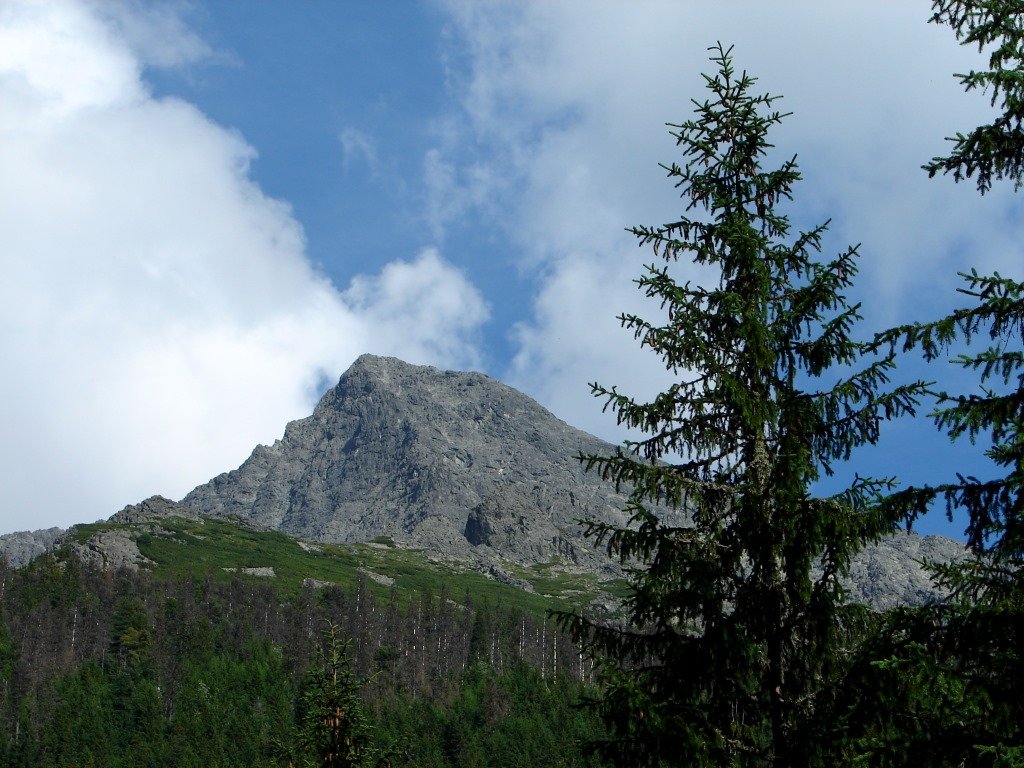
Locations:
column 452, row 190
column 156, row 32
column 570, row 342
column 158, row 313
column 423, row 307
column 565, row 104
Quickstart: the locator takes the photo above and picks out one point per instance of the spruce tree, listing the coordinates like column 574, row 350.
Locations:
column 737, row 623
column 949, row 691
column 334, row 731
column 995, row 150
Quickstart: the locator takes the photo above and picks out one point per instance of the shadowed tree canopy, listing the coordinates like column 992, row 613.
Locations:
column 995, row 150
column 738, row 623
column 947, row 690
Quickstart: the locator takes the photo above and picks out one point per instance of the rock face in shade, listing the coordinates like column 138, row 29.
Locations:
column 455, row 463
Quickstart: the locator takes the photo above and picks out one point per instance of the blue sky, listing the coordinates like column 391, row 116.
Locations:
column 209, row 209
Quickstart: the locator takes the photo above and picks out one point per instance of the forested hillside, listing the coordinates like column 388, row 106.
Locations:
column 115, row 668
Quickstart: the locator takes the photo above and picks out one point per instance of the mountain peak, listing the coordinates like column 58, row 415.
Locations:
column 368, row 364
column 466, row 468
column 372, row 373
column 456, row 463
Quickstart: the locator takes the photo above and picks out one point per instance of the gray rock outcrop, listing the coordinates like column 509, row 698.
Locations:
column 467, row 468
column 22, row 547
column 455, row 463
column 110, row 550
column 150, row 510
column 891, row 573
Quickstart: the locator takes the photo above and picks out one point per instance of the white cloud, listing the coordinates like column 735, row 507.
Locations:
column 572, row 342
column 155, row 32
column 158, row 314
column 423, row 307
column 566, row 102
column 57, row 58
column 358, row 146
column 452, row 191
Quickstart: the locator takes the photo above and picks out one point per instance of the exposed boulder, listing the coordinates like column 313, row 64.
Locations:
column 22, row 547
column 112, row 550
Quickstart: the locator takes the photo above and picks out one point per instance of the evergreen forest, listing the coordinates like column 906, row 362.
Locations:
column 115, row 668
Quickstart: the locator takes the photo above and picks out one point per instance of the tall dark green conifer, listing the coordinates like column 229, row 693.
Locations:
column 738, row 621
column 995, row 150
column 952, row 672
column 334, row 731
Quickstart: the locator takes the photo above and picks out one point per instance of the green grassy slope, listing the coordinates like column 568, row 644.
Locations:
column 221, row 548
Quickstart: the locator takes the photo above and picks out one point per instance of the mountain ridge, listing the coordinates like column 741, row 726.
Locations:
column 455, row 464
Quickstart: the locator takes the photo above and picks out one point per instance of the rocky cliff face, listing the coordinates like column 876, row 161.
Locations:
column 456, row 463
column 465, row 467
column 890, row 573
column 21, row 547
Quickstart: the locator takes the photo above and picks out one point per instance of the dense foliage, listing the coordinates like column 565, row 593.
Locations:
column 739, row 626
column 947, row 690
column 120, row 669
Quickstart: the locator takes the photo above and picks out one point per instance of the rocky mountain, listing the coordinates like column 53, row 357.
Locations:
column 455, row 464
column 21, row 547
column 889, row 573
column 465, row 467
